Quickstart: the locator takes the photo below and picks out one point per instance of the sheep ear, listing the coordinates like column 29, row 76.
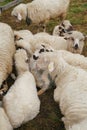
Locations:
column 19, row 17
column 51, row 66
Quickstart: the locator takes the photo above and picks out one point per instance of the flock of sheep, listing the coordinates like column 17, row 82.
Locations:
column 40, row 59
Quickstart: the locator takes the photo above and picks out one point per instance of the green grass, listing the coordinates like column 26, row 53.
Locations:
column 5, row 2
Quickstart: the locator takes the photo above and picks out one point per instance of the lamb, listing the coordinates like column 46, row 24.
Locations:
column 62, row 28
column 41, row 11
column 76, row 41
column 7, row 50
column 21, row 103
column 43, row 79
column 71, row 88
column 4, row 121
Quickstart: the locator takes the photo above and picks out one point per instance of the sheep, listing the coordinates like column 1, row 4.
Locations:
column 43, row 81
column 41, row 11
column 71, row 88
column 62, row 28
column 38, row 39
column 4, row 121
column 21, row 102
column 23, row 34
column 76, row 60
column 72, row 42
column 76, row 41
column 7, row 50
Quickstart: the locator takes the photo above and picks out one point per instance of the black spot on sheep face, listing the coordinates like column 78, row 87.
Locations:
column 35, row 57
column 41, row 50
column 28, row 21
column 63, row 24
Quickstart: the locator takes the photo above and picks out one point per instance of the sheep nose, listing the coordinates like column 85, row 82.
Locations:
column 76, row 46
column 70, row 28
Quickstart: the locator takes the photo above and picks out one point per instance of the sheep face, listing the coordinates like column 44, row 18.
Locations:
column 39, row 70
column 67, row 25
column 19, row 12
column 76, row 41
column 21, row 61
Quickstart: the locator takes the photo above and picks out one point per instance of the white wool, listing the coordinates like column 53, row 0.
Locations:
column 4, row 121
column 41, row 10
column 21, row 102
column 7, row 50
column 76, row 41
column 71, row 87
column 76, row 60
column 79, row 126
column 42, row 79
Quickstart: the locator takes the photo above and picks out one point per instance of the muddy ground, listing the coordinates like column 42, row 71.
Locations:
column 49, row 117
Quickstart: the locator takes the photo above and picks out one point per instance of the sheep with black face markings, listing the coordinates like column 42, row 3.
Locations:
column 71, row 89
column 40, row 11
column 44, row 80
column 63, row 28
column 21, row 103
column 73, row 42
column 7, row 50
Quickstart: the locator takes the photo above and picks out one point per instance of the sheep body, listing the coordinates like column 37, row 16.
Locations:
column 39, row 11
column 71, row 88
column 7, row 50
column 43, row 81
column 4, row 121
column 21, row 102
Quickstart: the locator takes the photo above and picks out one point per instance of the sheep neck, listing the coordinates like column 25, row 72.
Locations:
column 60, row 71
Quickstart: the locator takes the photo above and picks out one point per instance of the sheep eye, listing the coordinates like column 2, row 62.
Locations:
column 72, row 38
column 26, row 60
column 60, row 28
column 63, row 25
column 35, row 57
column 15, row 16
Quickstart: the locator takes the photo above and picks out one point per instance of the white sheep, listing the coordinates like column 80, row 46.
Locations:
column 76, row 60
column 7, row 50
column 62, row 28
column 71, row 88
column 76, row 41
column 54, row 41
column 4, row 121
column 40, row 11
column 72, row 42
column 44, row 80
column 23, row 34
column 21, row 102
